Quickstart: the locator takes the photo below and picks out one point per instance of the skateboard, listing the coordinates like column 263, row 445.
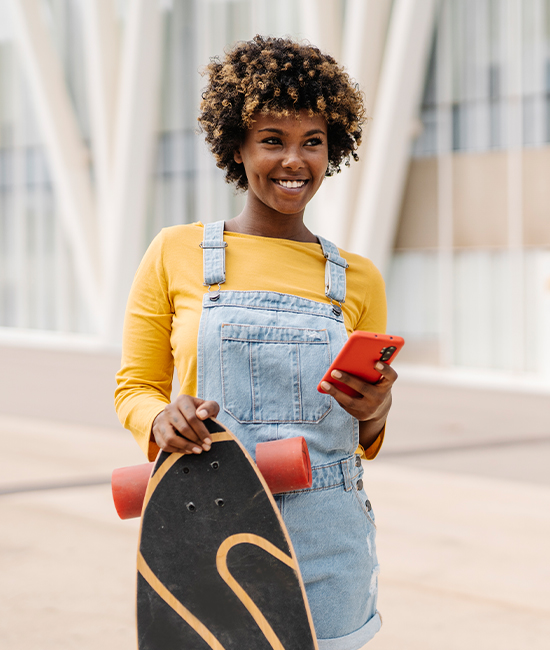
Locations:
column 216, row 567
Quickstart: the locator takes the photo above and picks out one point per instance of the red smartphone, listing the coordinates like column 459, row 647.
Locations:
column 359, row 356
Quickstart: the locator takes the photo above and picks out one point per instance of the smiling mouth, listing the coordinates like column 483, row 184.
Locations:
column 291, row 184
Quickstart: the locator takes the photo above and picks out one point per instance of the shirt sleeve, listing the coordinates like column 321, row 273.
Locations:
column 373, row 316
column 373, row 319
column 370, row 453
column 144, row 381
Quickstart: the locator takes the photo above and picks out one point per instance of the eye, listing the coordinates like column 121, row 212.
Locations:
column 271, row 140
column 314, row 142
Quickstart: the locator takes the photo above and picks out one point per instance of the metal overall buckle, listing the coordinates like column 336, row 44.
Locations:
column 214, row 295
column 336, row 307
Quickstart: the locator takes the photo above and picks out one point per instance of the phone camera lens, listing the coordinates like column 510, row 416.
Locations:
column 387, row 353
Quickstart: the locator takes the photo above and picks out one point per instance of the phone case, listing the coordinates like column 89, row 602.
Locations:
column 358, row 357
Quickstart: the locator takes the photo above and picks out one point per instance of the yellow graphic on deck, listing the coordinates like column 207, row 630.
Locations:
column 221, row 563
column 175, row 604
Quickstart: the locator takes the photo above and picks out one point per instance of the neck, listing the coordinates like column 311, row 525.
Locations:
column 269, row 223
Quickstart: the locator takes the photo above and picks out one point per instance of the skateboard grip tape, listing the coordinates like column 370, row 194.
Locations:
column 284, row 464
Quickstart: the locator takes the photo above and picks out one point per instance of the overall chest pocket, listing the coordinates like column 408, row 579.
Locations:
column 270, row 374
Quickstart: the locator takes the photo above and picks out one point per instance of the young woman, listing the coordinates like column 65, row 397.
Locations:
column 253, row 310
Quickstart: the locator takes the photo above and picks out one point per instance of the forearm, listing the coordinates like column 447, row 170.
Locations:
column 369, row 431
column 136, row 413
column 144, row 381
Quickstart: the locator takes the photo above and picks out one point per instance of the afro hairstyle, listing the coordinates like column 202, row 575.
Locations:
column 281, row 77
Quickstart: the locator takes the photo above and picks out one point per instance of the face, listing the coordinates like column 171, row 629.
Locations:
column 285, row 159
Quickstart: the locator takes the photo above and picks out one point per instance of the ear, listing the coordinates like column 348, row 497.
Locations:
column 237, row 156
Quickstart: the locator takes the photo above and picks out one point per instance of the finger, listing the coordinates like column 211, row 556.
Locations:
column 345, row 400
column 194, row 428
column 387, row 372
column 181, row 446
column 208, row 409
column 357, row 383
column 170, row 440
column 174, row 441
column 176, row 419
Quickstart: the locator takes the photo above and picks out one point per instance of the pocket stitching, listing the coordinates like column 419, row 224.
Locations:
column 255, row 419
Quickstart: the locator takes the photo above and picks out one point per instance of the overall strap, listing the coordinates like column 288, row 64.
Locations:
column 335, row 271
column 213, row 254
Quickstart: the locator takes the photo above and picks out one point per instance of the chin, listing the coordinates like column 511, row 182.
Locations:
column 291, row 211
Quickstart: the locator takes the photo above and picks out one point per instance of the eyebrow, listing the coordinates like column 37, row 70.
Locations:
column 281, row 132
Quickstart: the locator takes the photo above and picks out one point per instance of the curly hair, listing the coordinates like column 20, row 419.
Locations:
column 281, row 77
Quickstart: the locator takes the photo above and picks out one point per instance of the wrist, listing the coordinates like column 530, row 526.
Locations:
column 369, row 430
column 154, row 422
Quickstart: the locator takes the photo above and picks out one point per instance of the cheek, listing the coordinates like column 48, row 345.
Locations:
column 260, row 172
column 321, row 163
column 322, row 169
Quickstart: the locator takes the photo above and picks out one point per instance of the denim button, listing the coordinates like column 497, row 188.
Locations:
column 360, row 484
column 358, row 461
column 368, row 505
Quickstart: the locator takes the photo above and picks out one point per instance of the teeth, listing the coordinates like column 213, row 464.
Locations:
column 293, row 184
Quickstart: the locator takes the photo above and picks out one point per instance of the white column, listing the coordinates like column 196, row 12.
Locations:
column 102, row 64
column 321, row 24
column 206, row 23
column 16, row 224
column 400, row 86
column 514, row 84
column 135, row 127
column 445, row 238
column 68, row 156
column 363, row 41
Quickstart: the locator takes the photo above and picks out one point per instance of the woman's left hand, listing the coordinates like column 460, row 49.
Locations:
column 372, row 404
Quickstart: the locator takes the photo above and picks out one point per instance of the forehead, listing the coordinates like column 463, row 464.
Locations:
column 303, row 122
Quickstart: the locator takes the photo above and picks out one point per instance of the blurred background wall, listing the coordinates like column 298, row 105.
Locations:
column 99, row 151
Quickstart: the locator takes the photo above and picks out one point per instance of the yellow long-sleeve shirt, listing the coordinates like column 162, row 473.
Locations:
column 165, row 303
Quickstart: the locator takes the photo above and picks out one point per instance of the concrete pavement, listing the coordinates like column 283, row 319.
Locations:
column 462, row 501
column 464, row 561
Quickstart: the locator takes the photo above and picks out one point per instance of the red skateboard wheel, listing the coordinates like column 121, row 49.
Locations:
column 129, row 485
column 284, row 464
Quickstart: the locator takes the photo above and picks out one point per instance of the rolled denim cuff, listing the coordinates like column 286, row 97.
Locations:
column 356, row 640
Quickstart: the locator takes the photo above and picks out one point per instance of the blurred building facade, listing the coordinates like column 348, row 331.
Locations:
column 471, row 263
column 99, row 151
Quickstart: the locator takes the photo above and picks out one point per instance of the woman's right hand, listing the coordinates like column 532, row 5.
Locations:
column 180, row 427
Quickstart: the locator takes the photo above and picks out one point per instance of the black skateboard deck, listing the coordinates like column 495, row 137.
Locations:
column 216, row 568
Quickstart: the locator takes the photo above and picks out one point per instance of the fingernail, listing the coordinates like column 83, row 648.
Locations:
column 206, row 447
column 197, row 450
column 325, row 385
column 336, row 374
column 202, row 413
column 379, row 366
column 207, row 441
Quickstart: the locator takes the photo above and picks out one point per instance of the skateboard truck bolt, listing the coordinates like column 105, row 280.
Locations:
column 191, row 506
column 219, row 502
column 186, row 470
column 215, row 465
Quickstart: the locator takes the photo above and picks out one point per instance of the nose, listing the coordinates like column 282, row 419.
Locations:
column 292, row 159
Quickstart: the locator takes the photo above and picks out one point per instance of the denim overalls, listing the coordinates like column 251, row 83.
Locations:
column 261, row 355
